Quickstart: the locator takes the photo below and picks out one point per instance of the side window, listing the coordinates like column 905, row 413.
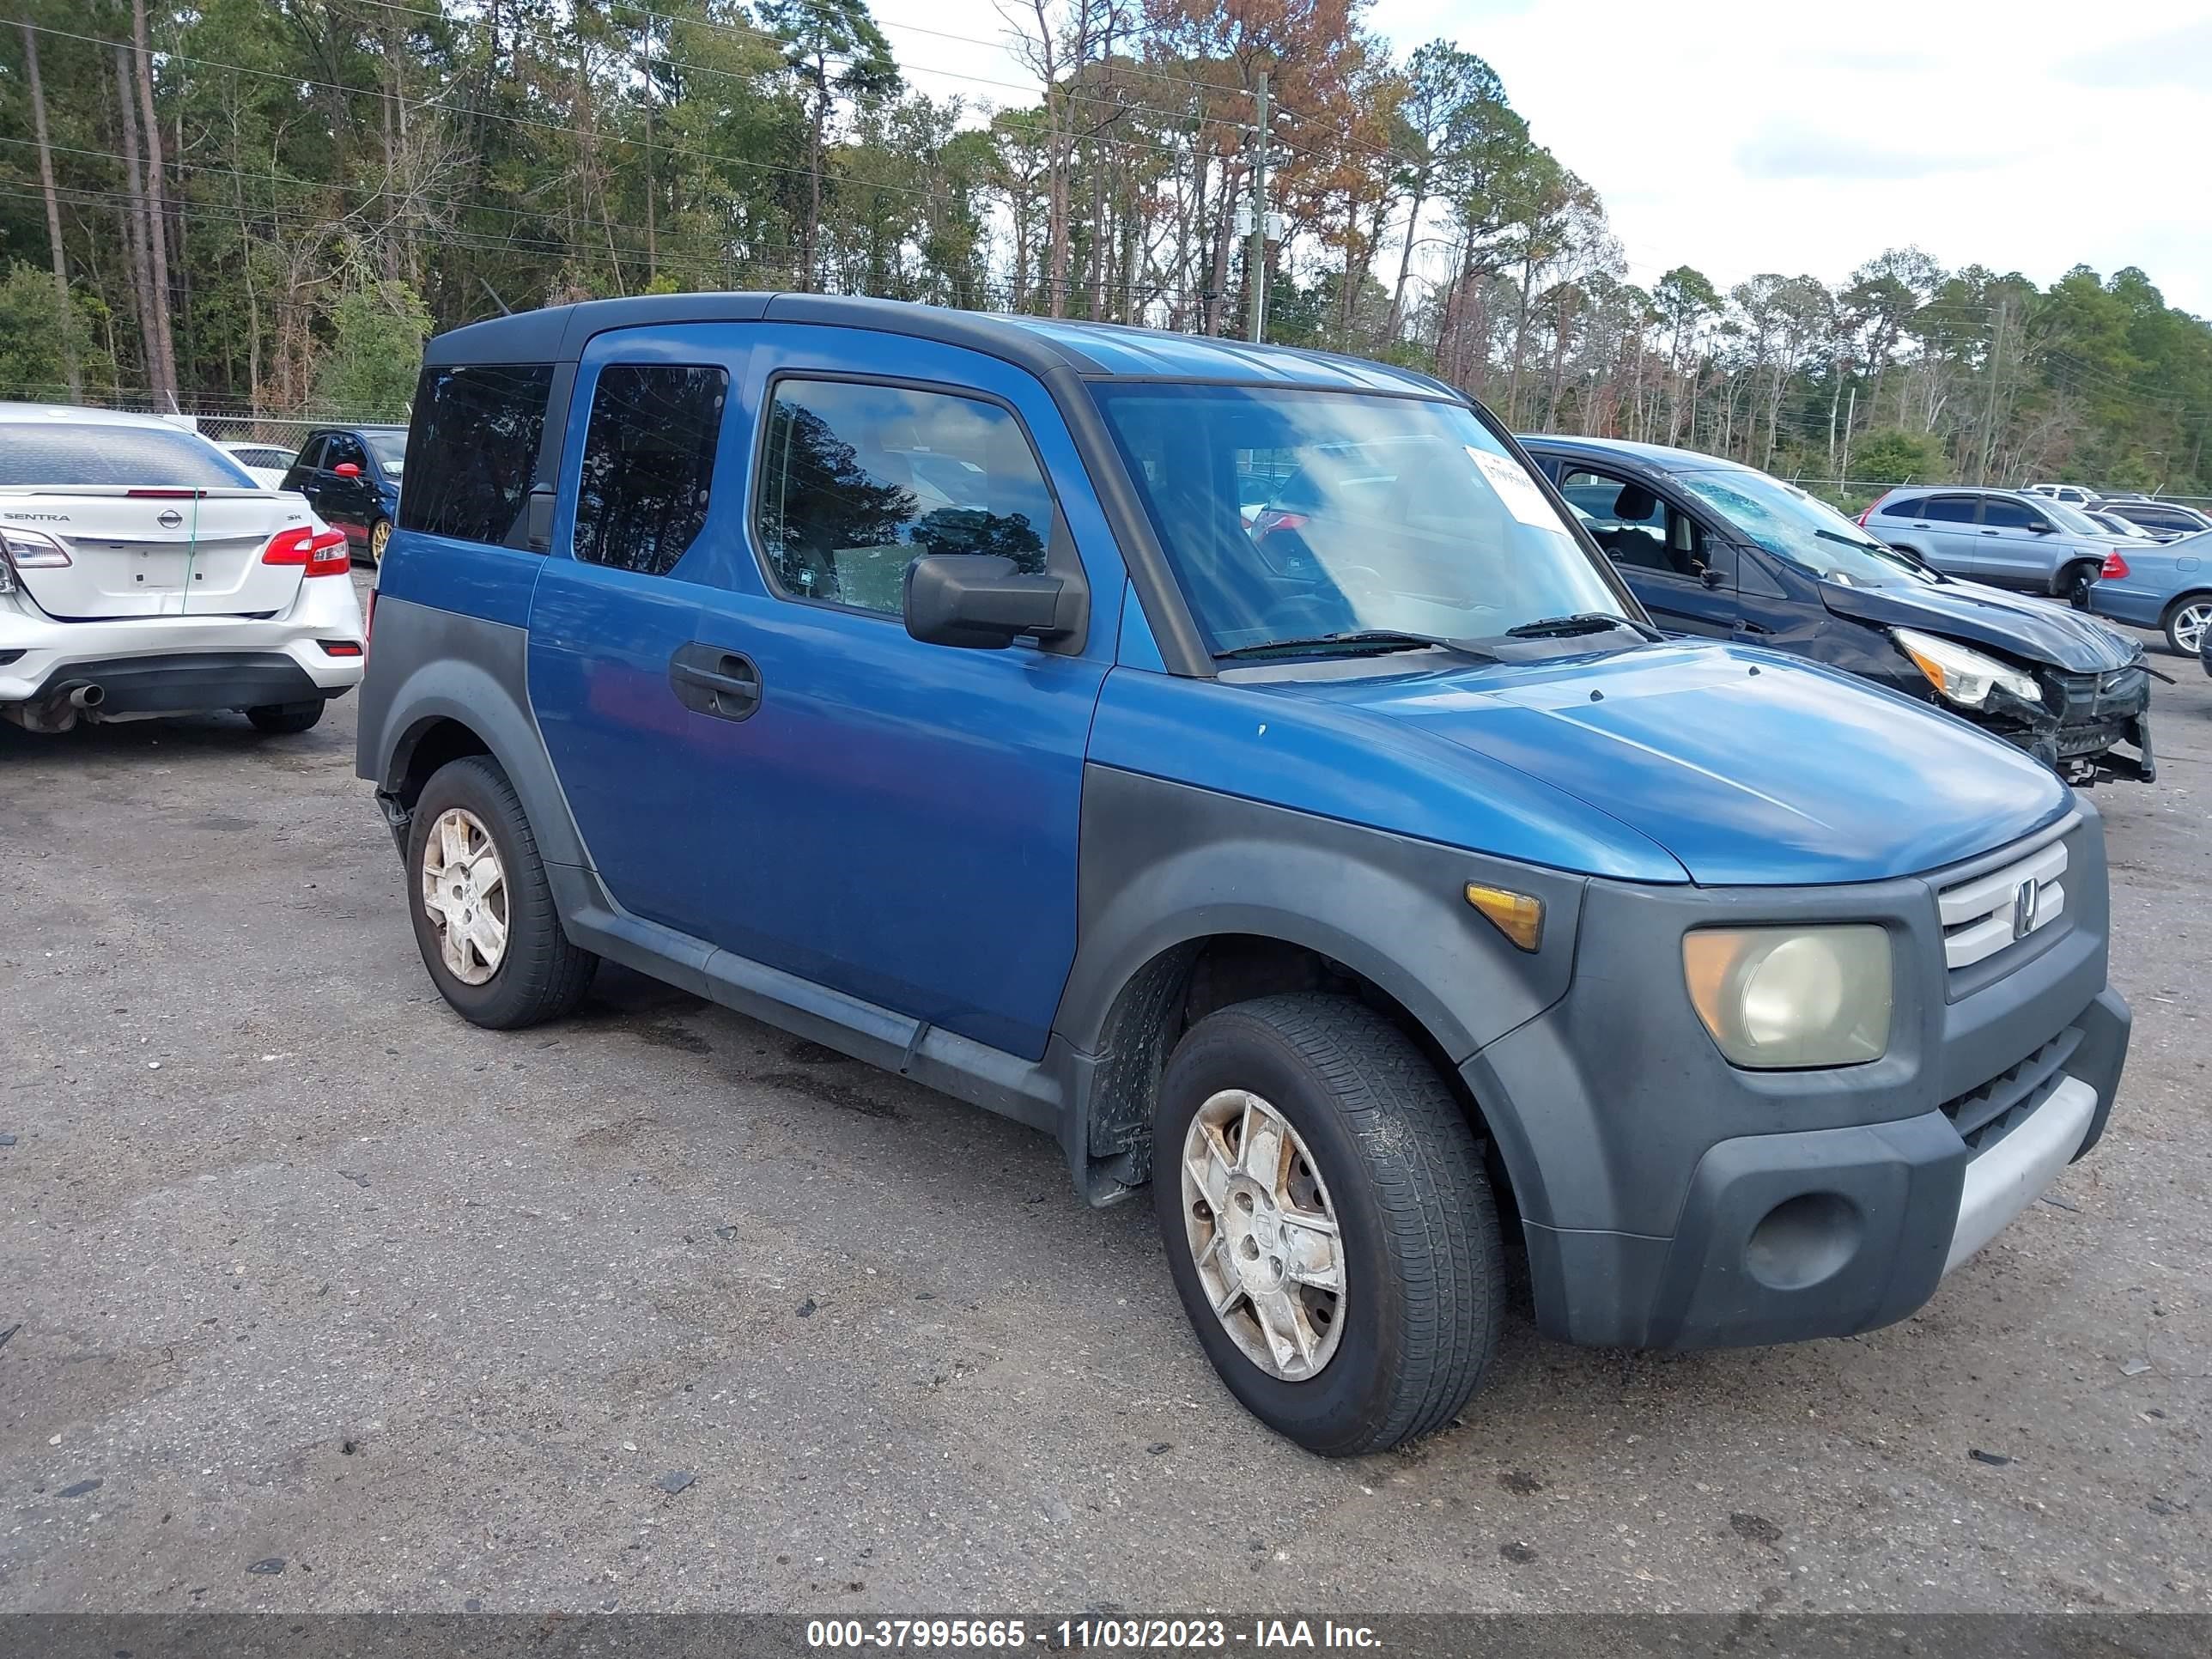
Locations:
column 475, row 446
column 1949, row 509
column 857, row 481
column 340, row 448
column 1913, row 507
column 648, row 464
column 312, row 456
column 1636, row 529
column 1999, row 513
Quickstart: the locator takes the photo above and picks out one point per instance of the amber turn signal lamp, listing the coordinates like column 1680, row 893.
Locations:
column 1519, row 916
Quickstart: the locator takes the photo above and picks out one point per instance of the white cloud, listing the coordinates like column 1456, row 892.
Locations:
column 1745, row 136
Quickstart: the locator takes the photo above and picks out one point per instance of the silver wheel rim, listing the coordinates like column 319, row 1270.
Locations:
column 465, row 896
column 1263, row 1235
column 2188, row 625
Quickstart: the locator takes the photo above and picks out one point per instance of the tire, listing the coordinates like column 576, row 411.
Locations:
column 538, row 974
column 284, row 719
column 2074, row 584
column 2188, row 623
column 1388, row 1153
column 380, row 538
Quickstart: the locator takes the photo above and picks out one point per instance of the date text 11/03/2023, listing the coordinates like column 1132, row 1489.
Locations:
column 1200, row 1635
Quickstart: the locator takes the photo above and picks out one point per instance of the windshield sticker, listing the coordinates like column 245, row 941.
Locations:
column 1516, row 489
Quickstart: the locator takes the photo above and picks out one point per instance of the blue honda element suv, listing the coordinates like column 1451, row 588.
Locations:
column 1239, row 765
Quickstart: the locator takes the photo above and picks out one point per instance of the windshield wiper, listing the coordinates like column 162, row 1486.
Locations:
column 1362, row 640
column 1582, row 621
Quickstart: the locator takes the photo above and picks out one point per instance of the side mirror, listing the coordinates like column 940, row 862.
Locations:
column 1712, row 578
column 2042, row 527
column 537, row 519
column 982, row 601
column 347, row 470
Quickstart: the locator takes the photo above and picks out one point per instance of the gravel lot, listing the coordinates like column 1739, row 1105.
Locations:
column 318, row 1298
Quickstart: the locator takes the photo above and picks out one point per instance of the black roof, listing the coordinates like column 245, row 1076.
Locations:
column 1096, row 350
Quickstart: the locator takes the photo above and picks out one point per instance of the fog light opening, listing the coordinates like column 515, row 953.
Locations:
column 1804, row 1241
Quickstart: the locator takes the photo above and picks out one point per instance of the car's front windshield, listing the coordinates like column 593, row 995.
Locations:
column 390, row 450
column 2071, row 519
column 1303, row 516
column 1801, row 530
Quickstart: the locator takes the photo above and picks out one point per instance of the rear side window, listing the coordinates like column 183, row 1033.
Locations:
column 2159, row 517
column 1911, row 506
column 1950, row 509
column 858, row 481
column 475, row 446
column 648, row 464
column 81, row 453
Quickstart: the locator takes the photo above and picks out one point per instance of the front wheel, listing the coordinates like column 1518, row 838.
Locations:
column 2187, row 621
column 1327, row 1221
column 380, row 538
column 483, row 911
column 2075, row 583
column 286, row 719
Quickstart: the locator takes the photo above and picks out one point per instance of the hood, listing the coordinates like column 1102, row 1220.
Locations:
column 1750, row 767
column 2033, row 631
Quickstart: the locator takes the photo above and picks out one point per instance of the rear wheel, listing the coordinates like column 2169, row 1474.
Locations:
column 2074, row 584
column 484, row 912
column 379, row 535
column 286, row 719
column 1328, row 1222
column 2187, row 620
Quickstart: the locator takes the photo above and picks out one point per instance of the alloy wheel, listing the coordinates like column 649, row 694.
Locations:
column 2188, row 625
column 465, row 894
column 1263, row 1235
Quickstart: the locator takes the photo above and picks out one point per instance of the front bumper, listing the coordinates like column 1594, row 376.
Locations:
column 2082, row 718
column 1670, row 1200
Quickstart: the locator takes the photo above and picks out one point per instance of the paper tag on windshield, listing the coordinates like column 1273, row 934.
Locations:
column 1516, row 489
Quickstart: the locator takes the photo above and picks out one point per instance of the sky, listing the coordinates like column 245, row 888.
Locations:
column 1749, row 136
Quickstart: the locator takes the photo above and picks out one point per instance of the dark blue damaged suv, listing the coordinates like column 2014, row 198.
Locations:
column 1238, row 764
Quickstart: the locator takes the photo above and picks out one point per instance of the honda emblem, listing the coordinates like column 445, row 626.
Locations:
column 2027, row 907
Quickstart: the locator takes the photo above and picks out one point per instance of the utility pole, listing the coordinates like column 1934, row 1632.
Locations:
column 1990, row 417
column 1256, row 256
column 1851, row 414
column 652, row 237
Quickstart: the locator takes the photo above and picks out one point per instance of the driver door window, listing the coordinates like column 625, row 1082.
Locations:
column 1662, row 551
column 1637, row 530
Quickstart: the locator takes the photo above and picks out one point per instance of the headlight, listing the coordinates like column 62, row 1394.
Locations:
column 1777, row 997
column 1964, row 677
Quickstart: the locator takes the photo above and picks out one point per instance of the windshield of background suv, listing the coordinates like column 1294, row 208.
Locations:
column 2071, row 519
column 1804, row 531
column 389, row 449
column 1296, row 515
column 84, row 453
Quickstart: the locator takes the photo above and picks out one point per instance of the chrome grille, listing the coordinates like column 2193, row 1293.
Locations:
column 1985, row 1116
column 1982, row 916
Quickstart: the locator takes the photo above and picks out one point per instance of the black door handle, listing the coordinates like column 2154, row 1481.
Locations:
column 726, row 684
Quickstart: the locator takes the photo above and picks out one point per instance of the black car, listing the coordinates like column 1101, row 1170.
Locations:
column 350, row 475
column 1717, row 549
